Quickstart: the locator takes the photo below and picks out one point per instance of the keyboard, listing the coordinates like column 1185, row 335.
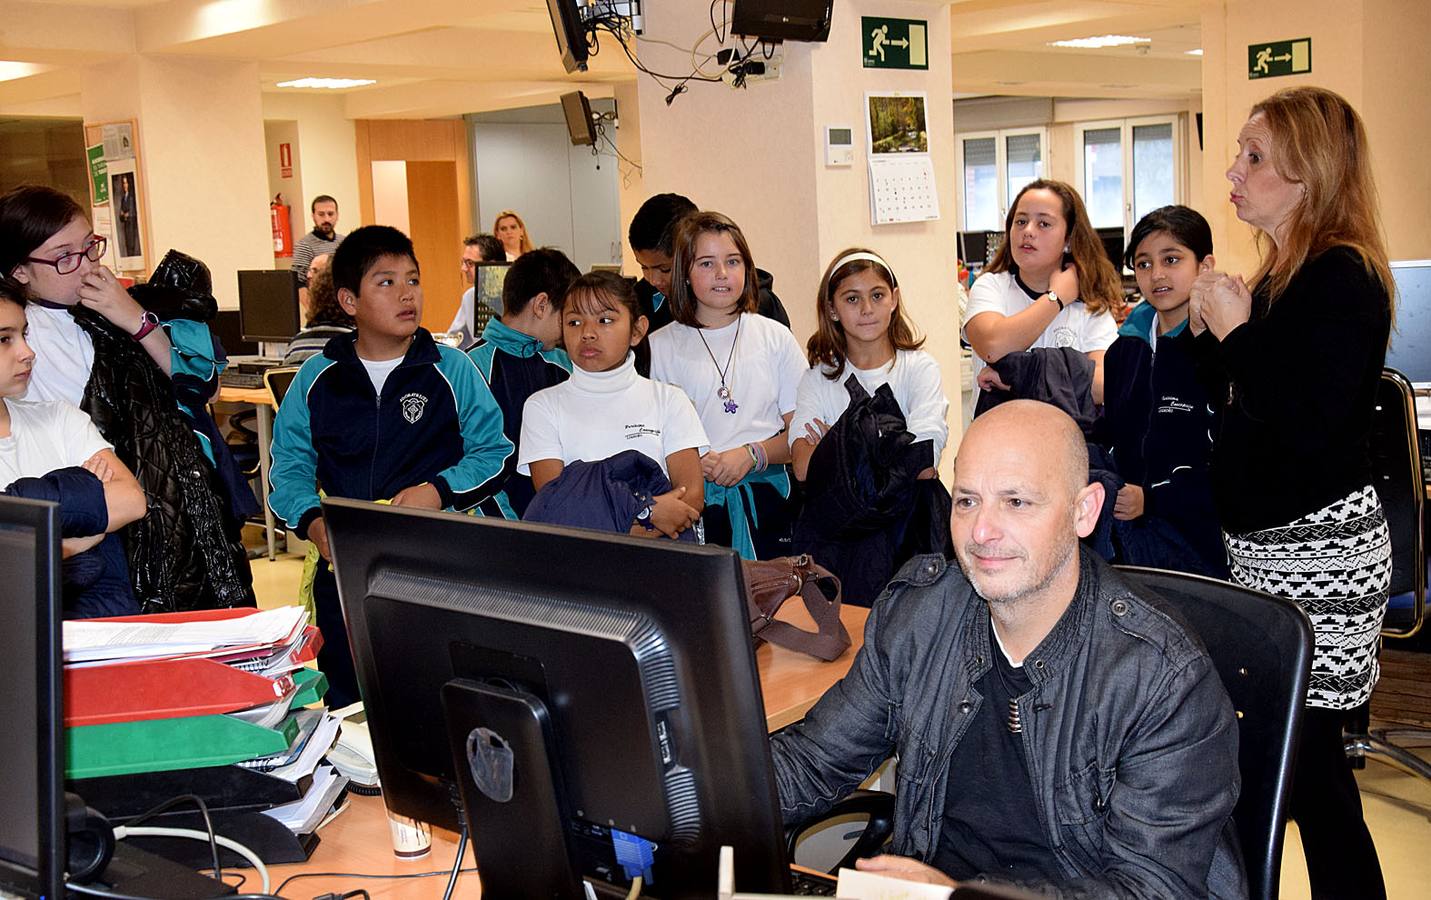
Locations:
column 236, row 379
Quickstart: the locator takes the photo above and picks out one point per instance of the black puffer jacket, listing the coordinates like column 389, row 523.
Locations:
column 180, row 554
column 866, row 511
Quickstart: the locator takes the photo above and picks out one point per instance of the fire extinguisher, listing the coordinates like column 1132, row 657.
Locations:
column 278, row 213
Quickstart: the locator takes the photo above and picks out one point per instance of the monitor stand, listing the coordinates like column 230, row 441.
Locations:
column 514, row 818
column 139, row 873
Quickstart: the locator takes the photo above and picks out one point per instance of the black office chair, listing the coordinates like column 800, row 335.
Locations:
column 1400, row 483
column 1261, row 646
column 278, row 380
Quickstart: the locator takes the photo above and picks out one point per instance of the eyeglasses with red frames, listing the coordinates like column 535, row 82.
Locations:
column 66, row 263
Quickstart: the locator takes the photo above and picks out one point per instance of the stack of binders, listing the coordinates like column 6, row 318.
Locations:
column 207, row 703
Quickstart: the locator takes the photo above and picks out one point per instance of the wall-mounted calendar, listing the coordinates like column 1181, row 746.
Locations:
column 902, row 187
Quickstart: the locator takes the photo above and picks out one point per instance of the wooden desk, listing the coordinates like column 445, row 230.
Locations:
column 358, row 840
column 262, row 401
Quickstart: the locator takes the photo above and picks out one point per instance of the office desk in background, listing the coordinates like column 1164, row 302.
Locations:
column 262, row 402
column 358, row 840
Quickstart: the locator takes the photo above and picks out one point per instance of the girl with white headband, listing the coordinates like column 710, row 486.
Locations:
column 862, row 330
column 741, row 370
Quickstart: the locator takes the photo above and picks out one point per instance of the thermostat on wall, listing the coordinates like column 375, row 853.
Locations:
column 839, row 145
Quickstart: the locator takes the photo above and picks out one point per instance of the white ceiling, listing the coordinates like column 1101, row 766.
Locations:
column 447, row 57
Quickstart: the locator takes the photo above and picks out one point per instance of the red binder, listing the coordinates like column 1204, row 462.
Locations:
column 164, row 689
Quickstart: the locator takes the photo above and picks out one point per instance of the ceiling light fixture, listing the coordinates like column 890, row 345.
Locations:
column 1103, row 40
column 335, row 84
column 12, row 70
column 1197, row 52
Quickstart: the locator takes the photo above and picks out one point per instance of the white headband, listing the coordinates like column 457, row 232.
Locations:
column 867, row 257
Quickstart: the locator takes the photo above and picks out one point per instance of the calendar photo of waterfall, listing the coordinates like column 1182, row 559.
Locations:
column 896, row 123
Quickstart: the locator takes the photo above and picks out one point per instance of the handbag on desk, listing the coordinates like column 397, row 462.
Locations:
column 770, row 582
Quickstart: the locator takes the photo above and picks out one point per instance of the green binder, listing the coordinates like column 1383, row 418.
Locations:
column 192, row 742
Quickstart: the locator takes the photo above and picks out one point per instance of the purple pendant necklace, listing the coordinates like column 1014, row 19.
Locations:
column 723, row 392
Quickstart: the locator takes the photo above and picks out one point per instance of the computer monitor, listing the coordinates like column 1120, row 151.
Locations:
column 637, row 653
column 487, row 281
column 570, row 33
column 577, row 110
column 1113, row 242
column 227, row 327
column 268, row 304
column 1410, row 350
column 32, row 837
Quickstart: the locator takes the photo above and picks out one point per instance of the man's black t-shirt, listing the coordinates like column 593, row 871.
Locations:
column 991, row 820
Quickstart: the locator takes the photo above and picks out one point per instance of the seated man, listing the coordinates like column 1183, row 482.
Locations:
column 1054, row 728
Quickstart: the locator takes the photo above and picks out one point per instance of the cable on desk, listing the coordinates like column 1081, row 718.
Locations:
column 456, row 863
column 208, row 824
column 124, row 831
column 88, row 891
column 291, row 878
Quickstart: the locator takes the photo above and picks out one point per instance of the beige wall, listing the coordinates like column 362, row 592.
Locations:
column 748, row 154
column 205, row 185
column 922, row 254
column 1372, row 53
column 276, row 133
column 326, row 148
column 631, row 187
column 1396, row 79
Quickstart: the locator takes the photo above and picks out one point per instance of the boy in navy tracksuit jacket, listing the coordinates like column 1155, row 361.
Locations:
column 384, row 413
column 517, row 353
column 1156, row 420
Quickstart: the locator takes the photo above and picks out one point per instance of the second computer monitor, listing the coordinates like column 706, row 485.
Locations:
column 617, row 673
column 32, row 837
column 268, row 305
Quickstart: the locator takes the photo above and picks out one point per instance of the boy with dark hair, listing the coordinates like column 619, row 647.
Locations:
column 651, row 235
column 383, row 413
column 517, row 352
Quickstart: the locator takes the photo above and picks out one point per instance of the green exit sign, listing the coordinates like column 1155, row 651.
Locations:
column 1276, row 58
column 895, row 43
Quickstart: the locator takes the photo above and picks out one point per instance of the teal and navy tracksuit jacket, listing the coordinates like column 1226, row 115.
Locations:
column 436, row 421
column 516, row 366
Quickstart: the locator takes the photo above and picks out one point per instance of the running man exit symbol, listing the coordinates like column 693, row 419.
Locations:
column 1277, row 58
column 895, row 43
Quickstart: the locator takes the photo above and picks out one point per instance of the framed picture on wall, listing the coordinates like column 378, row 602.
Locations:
column 125, row 214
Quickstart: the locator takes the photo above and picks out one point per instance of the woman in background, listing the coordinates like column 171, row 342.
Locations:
column 512, row 232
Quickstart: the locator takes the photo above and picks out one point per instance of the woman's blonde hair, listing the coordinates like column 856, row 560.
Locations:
column 1099, row 285
column 512, row 214
column 1320, row 143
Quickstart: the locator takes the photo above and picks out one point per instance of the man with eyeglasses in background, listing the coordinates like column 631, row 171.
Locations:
column 477, row 248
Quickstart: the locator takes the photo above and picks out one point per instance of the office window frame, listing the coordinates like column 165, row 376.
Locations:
column 1125, row 128
column 1004, row 196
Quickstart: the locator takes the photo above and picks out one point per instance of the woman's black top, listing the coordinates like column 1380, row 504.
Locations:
column 1298, row 383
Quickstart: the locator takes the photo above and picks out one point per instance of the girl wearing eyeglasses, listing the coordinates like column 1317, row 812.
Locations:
column 98, row 349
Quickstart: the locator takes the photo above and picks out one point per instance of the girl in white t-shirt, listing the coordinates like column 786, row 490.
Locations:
column 862, row 330
column 606, row 407
column 741, row 371
column 1050, row 285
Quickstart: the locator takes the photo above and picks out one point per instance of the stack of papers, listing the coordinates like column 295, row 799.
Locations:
column 186, row 690
column 158, row 637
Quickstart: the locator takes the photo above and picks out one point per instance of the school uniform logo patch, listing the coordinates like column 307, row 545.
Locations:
column 412, row 407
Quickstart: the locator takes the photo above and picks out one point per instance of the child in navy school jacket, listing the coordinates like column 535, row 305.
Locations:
column 518, row 354
column 383, row 413
column 1156, row 418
